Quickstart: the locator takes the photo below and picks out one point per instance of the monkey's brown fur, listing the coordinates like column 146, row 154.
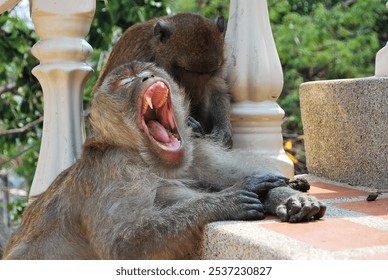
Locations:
column 144, row 187
column 191, row 49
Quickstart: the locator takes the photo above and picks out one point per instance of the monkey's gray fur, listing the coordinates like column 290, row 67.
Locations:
column 144, row 187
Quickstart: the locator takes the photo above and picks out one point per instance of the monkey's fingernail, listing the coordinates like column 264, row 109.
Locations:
column 149, row 102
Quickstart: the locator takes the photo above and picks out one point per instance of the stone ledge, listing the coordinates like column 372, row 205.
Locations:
column 345, row 127
column 352, row 228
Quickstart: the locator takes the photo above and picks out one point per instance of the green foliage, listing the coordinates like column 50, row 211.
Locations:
column 20, row 97
column 325, row 39
column 16, row 209
column 208, row 8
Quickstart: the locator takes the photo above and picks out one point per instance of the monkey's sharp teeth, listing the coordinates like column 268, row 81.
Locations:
column 158, row 117
column 149, row 102
column 164, row 98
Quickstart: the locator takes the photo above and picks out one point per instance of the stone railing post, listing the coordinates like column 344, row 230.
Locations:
column 256, row 78
column 62, row 73
column 381, row 66
column 6, row 5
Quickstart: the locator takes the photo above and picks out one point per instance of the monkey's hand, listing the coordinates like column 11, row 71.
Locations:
column 246, row 196
column 293, row 206
column 262, row 184
column 196, row 127
column 243, row 205
column 300, row 184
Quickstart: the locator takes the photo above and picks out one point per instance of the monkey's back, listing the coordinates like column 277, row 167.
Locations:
column 134, row 44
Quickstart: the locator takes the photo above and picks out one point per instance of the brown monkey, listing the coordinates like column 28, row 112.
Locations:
column 190, row 48
column 144, row 187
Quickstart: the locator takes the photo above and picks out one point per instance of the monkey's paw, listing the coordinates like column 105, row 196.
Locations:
column 301, row 208
column 300, row 184
column 250, row 207
column 196, row 127
column 262, row 184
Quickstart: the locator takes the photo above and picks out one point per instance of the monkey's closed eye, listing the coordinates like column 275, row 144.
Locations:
column 126, row 81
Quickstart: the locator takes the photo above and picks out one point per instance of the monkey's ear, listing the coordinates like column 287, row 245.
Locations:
column 220, row 22
column 162, row 31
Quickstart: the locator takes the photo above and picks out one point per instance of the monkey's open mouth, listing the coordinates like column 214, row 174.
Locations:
column 158, row 117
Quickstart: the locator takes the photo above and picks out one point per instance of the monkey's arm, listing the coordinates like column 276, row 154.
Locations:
column 221, row 168
column 219, row 114
column 156, row 231
column 293, row 206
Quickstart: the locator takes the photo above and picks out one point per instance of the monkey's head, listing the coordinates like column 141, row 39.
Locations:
column 140, row 108
column 189, row 46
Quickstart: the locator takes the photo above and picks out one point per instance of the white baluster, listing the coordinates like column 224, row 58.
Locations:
column 256, row 78
column 62, row 73
column 6, row 5
column 381, row 67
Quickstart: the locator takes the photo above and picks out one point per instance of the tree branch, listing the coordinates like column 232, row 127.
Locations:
column 6, row 88
column 19, row 154
column 347, row 3
column 22, row 129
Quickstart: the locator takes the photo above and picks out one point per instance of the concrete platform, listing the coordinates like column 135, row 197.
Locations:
column 352, row 228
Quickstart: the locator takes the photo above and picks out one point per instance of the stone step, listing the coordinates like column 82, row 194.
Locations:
column 353, row 228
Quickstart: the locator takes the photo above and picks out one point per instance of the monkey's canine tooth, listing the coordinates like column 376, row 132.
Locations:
column 149, row 102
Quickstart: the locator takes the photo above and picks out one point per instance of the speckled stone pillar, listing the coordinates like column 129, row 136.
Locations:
column 346, row 130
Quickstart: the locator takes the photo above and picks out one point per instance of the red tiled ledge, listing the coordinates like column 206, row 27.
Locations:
column 352, row 228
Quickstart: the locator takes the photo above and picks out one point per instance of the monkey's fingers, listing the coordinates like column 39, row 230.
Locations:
column 293, row 206
column 299, row 184
column 251, row 206
column 290, row 209
column 303, row 214
column 260, row 184
column 248, row 194
column 300, row 208
column 311, row 208
column 253, row 211
column 322, row 211
column 254, row 215
column 315, row 209
column 196, row 126
column 249, row 198
column 281, row 212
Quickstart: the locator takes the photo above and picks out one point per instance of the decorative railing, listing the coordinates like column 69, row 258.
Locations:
column 254, row 71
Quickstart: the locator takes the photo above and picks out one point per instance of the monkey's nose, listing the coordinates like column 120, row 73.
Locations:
column 145, row 76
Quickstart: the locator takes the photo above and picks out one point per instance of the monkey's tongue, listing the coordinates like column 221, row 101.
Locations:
column 158, row 131
column 160, row 134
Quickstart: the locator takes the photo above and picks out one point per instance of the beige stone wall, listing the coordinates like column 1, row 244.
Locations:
column 346, row 130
